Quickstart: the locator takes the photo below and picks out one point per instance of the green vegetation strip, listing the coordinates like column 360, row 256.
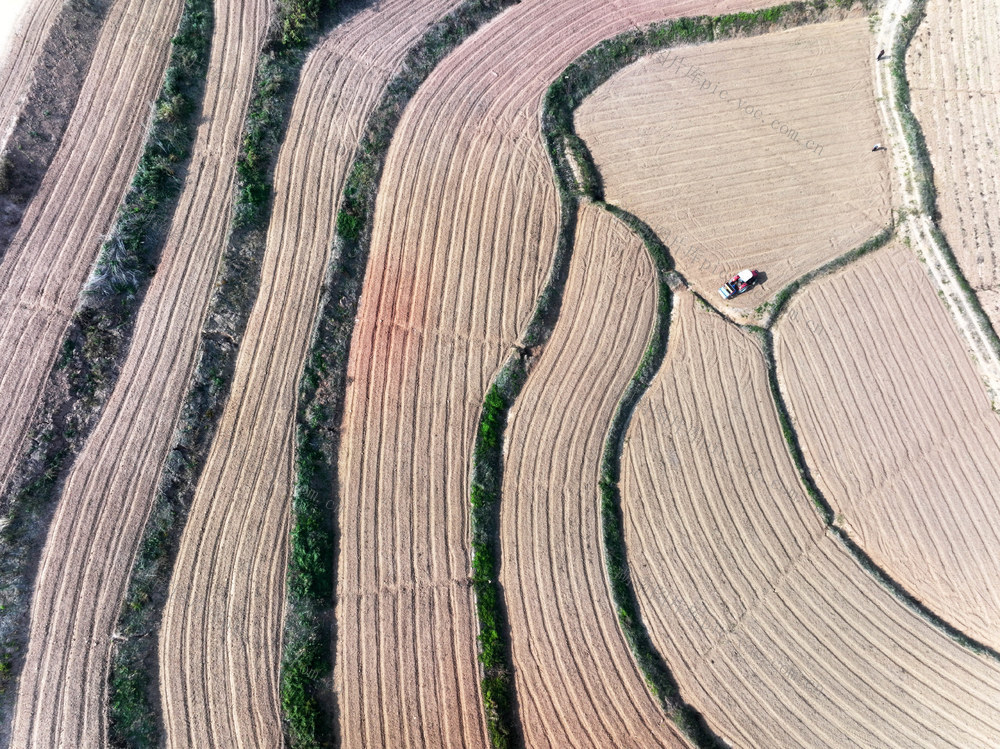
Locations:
column 134, row 715
column 306, row 688
column 925, row 171
column 99, row 332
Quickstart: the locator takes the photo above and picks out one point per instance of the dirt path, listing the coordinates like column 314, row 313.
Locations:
column 774, row 633
column 911, row 469
column 48, row 260
column 917, row 226
column 101, row 513
column 465, row 228
column 220, row 645
column 953, row 66
column 577, row 682
column 24, row 26
column 751, row 152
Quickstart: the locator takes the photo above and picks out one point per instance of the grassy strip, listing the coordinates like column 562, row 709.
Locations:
column 134, row 716
column 924, row 177
column 99, row 332
column 306, row 667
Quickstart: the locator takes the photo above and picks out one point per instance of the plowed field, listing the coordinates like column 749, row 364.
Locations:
column 48, row 260
column 754, row 152
column 577, row 682
column 900, row 436
column 98, row 523
column 774, row 633
column 24, row 25
column 220, row 646
column 464, row 234
column 954, row 71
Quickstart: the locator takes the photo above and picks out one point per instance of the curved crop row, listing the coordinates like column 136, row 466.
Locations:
column 77, row 388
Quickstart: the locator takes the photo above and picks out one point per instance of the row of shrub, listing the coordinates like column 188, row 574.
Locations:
column 924, row 177
column 100, row 330
column 306, row 688
column 134, row 717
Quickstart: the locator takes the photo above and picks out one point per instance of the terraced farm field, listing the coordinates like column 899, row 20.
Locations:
column 220, row 647
column 724, row 164
column 82, row 578
column 576, row 678
column 954, row 68
column 767, row 627
column 910, row 467
column 48, row 260
column 773, row 631
column 464, row 233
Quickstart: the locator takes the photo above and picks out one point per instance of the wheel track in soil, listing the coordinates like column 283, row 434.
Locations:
column 106, row 498
column 44, row 267
column 221, row 636
column 464, row 233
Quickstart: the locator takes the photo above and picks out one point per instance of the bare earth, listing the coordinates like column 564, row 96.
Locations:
column 24, row 25
column 954, row 71
column 774, row 633
column 577, row 682
column 465, row 228
column 900, row 435
column 62, row 229
column 690, row 140
column 99, row 520
column 220, row 645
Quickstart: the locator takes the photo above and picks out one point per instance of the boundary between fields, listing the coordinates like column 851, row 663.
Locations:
column 98, row 334
column 135, row 712
column 307, row 666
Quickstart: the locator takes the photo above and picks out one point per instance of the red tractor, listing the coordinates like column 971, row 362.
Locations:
column 739, row 283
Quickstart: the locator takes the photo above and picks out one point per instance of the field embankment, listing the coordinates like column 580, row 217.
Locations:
column 49, row 258
column 953, row 66
column 911, row 470
column 773, row 631
column 108, row 491
column 464, row 232
column 221, row 639
column 576, row 679
column 751, row 152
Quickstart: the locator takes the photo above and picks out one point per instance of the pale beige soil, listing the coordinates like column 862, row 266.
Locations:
column 690, row 141
column 48, row 260
column 577, row 682
column 773, row 631
column 220, row 646
column 898, row 432
column 465, row 228
column 24, row 25
column 953, row 66
column 100, row 516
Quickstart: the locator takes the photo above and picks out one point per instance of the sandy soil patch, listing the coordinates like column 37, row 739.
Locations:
column 773, row 631
column 751, row 152
column 898, row 432
column 953, row 66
